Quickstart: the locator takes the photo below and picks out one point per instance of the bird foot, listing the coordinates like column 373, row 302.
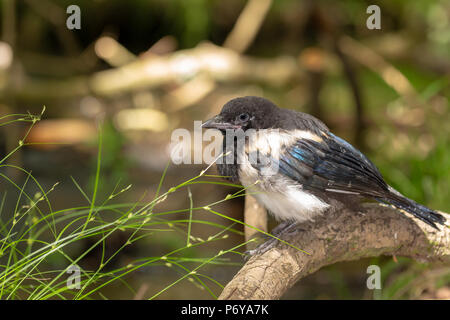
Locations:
column 282, row 229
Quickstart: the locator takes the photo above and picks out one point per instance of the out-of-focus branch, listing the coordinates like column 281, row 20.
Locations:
column 239, row 39
column 247, row 25
column 313, row 59
column 352, row 77
column 223, row 65
column 379, row 65
column 338, row 236
column 403, row 47
column 110, row 50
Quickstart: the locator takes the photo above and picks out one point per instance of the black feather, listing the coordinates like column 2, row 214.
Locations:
column 337, row 165
column 421, row 212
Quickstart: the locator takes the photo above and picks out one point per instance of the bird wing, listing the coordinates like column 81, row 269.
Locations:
column 331, row 164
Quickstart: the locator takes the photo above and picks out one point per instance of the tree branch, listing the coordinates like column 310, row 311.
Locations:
column 338, row 236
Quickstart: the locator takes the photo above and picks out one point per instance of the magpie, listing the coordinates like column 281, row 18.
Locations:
column 315, row 169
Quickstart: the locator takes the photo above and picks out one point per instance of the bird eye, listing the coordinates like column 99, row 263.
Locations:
column 244, row 117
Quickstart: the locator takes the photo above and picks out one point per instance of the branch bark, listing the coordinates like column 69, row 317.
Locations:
column 339, row 236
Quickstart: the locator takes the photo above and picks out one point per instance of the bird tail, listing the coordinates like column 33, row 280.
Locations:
column 421, row 212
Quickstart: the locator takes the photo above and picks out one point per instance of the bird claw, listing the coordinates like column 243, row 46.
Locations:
column 262, row 248
column 284, row 227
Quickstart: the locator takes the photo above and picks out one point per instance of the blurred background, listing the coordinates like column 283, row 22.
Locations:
column 136, row 70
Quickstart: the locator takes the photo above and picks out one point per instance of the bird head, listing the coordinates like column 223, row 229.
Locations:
column 244, row 113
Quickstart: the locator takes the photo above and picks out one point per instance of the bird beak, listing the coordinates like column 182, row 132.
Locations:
column 218, row 123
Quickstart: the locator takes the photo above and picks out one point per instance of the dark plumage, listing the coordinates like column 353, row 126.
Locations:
column 315, row 167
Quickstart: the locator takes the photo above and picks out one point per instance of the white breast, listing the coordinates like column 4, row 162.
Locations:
column 291, row 204
column 283, row 197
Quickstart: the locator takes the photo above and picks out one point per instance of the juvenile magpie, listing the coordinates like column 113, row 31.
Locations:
column 315, row 168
